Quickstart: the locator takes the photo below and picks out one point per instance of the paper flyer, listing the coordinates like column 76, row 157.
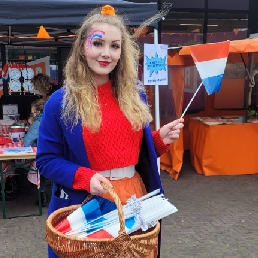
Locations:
column 155, row 64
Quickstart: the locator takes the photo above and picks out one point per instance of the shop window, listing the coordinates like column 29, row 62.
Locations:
column 226, row 26
column 182, row 28
column 179, row 29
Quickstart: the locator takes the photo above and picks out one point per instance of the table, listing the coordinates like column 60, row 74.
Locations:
column 226, row 149
column 10, row 159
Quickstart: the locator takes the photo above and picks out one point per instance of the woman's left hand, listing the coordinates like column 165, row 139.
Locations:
column 170, row 132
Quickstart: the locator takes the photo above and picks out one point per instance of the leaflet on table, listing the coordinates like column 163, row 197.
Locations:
column 17, row 150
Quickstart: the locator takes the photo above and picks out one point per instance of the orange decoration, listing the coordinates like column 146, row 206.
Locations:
column 108, row 10
column 42, row 33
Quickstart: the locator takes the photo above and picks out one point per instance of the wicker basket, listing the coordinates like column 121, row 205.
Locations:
column 138, row 245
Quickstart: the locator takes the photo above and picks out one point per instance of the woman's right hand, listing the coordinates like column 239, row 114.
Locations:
column 95, row 184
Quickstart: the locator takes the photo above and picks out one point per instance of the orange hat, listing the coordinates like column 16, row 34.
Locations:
column 108, row 10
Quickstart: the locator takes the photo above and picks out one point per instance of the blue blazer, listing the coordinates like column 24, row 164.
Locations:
column 61, row 151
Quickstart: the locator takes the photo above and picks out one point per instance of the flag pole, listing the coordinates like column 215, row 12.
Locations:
column 191, row 100
column 157, row 108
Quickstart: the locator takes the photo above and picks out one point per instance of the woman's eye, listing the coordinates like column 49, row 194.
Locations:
column 97, row 43
column 115, row 46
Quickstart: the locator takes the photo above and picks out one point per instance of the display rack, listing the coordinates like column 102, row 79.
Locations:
column 23, row 55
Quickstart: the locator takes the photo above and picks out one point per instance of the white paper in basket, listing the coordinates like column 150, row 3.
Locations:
column 142, row 213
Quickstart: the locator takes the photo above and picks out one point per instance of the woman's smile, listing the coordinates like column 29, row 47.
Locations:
column 103, row 63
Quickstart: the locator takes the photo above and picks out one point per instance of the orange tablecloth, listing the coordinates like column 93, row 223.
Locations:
column 224, row 149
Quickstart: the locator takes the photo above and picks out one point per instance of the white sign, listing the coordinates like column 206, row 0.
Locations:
column 155, row 64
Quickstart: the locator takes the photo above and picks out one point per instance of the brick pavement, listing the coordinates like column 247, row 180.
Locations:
column 216, row 218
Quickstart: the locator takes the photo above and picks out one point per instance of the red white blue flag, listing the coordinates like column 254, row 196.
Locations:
column 98, row 218
column 91, row 218
column 210, row 61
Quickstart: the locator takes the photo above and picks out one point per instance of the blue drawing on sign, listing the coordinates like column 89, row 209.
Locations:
column 155, row 64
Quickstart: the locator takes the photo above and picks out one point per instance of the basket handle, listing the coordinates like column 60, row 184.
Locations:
column 119, row 207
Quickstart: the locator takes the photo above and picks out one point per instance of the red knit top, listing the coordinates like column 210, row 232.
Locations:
column 116, row 145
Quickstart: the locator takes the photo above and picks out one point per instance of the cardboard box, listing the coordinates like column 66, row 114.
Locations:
column 10, row 109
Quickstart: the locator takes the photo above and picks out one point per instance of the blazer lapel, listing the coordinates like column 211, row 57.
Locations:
column 76, row 144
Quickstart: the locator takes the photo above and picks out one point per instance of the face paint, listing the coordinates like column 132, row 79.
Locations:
column 94, row 34
column 102, row 50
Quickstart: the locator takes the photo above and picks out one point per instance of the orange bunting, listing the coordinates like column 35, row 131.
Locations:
column 108, row 10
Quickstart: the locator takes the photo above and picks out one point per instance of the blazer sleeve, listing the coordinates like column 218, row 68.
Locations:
column 30, row 138
column 51, row 159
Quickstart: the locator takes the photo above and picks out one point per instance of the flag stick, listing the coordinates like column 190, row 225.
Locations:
column 191, row 100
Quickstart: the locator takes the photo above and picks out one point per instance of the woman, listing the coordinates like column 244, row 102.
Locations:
column 96, row 128
column 31, row 138
column 42, row 85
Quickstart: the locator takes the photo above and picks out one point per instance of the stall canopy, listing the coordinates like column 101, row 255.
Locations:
column 64, row 12
column 236, row 46
column 236, row 49
column 60, row 17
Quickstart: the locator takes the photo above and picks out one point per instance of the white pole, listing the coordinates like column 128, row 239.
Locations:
column 157, row 114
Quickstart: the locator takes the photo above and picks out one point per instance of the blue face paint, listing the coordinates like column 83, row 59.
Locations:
column 94, row 34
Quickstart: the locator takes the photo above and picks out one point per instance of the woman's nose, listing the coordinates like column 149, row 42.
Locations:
column 105, row 53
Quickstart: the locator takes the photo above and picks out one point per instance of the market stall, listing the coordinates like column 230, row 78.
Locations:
column 224, row 146
column 181, row 61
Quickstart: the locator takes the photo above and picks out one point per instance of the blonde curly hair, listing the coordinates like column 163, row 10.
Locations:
column 80, row 100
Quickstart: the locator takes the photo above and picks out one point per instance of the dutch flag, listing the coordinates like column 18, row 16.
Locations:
column 92, row 221
column 89, row 215
column 210, row 61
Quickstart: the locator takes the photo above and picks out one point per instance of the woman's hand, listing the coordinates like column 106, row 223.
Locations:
column 95, row 184
column 170, row 132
